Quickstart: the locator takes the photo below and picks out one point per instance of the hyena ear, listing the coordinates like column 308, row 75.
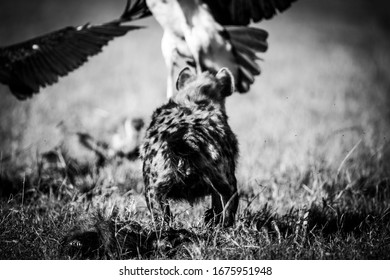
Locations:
column 183, row 78
column 226, row 79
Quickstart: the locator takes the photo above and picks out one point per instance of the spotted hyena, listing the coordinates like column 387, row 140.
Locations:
column 190, row 151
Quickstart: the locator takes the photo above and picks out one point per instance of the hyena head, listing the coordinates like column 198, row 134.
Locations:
column 208, row 87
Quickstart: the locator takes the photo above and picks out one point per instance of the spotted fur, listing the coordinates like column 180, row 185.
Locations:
column 190, row 151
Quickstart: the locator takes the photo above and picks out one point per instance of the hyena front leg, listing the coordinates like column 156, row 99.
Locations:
column 213, row 215
column 224, row 204
column 158, row 205
column 231, row 206
column 166, row 211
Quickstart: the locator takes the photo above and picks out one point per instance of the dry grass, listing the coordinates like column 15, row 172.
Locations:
column 314, row 147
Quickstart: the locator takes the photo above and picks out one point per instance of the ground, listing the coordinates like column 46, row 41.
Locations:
column 313, row 132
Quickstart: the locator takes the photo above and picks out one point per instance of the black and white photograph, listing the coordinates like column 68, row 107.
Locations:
column 195, row 130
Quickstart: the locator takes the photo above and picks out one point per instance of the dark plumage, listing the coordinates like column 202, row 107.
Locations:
column 243, row 12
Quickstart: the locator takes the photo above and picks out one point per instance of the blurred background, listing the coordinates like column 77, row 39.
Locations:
column 323, row 96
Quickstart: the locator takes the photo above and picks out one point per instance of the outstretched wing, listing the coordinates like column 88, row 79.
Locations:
column 242, row 12
column 28, row 66
column 36, row 63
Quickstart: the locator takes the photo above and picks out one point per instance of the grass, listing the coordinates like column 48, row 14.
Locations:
column 313, row 171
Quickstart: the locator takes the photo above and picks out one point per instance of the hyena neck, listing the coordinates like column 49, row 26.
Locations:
column 208, row 111
column 200, row 104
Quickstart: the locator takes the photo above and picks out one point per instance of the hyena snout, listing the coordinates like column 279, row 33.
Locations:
column 190, row 151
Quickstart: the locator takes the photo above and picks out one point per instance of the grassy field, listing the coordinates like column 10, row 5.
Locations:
column 313, row 131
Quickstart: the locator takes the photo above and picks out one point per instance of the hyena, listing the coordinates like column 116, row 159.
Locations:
column 190, row 151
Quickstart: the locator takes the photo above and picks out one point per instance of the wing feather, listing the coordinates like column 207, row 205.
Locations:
column 243, row 12
column 39, row 74
column 27, row 75
column 50, row 71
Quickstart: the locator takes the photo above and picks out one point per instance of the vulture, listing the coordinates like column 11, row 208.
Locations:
column 206, row 34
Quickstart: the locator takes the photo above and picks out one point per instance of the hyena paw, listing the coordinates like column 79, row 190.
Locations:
column 211, row 219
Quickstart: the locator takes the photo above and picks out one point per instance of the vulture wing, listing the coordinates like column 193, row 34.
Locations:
column 26, row 67
column 243, row 12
